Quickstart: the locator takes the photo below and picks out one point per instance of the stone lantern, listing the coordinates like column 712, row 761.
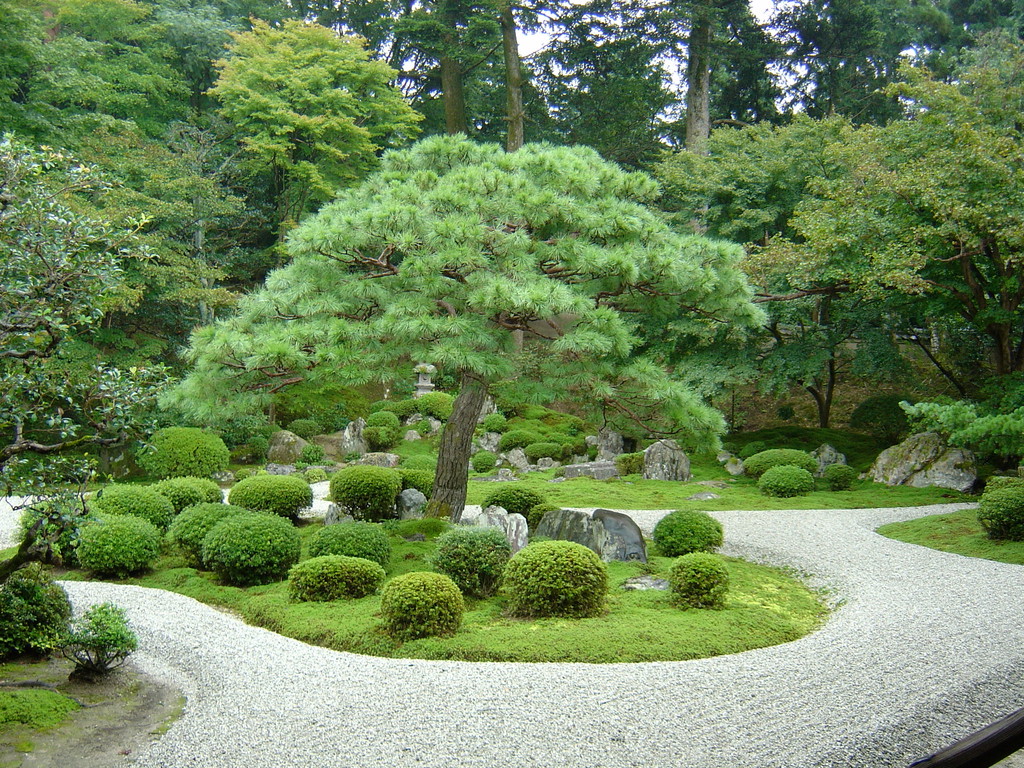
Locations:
column 423, row 373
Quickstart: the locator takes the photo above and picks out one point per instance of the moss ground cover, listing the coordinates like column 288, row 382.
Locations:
column 958, row 532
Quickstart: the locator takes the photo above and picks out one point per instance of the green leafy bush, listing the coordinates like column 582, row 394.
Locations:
column 188, row 529
column 34, row 613
column 365, row 540
column 312, row 454
column 384, row 419
column 785, row 481
column 536, row 451
column 494, row 422
column 188, row 491
column 436, row 404
column 284, row 495
column 58, row 522
column 403, row 409
column 258, row 448
column 518, row 438
column 699, row 580
column 685, row 531
column 421, row 604
column 241, row 429
column 381, row 438
column 882, row 417
column 1001, row 512
column 118, row 545
column 430, row 527
column 514, row 500
column 1002, row 481
column 761, row 462
column 367, row 493
column 252, row 549
column 537, row 512
column 247, row 472
column 473, row 557
column 630, row 463
column 184, row 451
column 555, row 578
column 305, row 428
column 483, row 461
column 100, row 640
column 754, row 446
column 420, row 461
column 334, row 577
column 419, row 479
column 314, row 475
column 136, row 500
column 839, row 477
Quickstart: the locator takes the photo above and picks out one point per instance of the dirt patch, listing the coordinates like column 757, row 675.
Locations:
column 123, row 713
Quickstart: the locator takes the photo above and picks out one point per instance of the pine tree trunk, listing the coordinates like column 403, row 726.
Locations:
column 513, row 81
column 698, row 82
column 449, row 496
column 453, row 95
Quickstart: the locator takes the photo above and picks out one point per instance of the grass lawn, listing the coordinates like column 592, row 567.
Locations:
column 958, row 532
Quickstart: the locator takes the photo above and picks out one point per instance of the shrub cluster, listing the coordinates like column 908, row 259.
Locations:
column 685, row 531
column 34, row 613
column 384, row 419
column 839, row 477
column 247, row 472
column 536, row 451
column 494, row 422
column 366, row 492
column 381, row 438
column 100, row 640
column 284, row 495
column 314, row 475
column 785, row 481
column 136, row 500
column 187, row 491
column 436, row 404
column 118, row 545
column 514, row 500
column 473, row 557
column 761, row 462
column 334, row 577
column 699, row 580
column 365, row 540
column 1001, row 512
column 555, row 578
column 754, row 446
column 305, row 428
column 252, row 548
column 519, row 438
column 483, row 461
column 630, row 463
column 421, row 604
column 312, row 454
column 419, row 479
column 189, row 528
column 184, row 451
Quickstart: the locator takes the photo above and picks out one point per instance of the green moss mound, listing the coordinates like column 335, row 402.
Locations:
column 190, row 528
column 483, row 461
column 184, row 451
column 365, row 540
column 367, row 493
column 119, row 545
column 284, row 495
column 786, row 481
column 555, row 578
column 188, row 491
column 137, row 501
column 685, row 531
column 699, row 580
column 34, row 708
column 421, row 604
column 252, row 549
column 334, row 577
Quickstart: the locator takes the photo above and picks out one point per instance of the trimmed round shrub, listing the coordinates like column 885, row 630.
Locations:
column 334, row 577
column 367, row 493
column 184, row 452
column 685, row 531
column 384, row 419
column 188, row 491
column 630, row 463
column 436, row 404
column 428, row 463
column 312, row 454
column 754, row 446
column 34, row 613
column 536, row 451
column 314, row 475
column 366, row 540
column 699, row 580
column 555, row 578
column 421, row 604
column 247, row 472
column 494, row 422
column 1002, row 481
column 473, row 557
column 188, row 529
column 284, row 495
column 136, row 500
column 761, row 462
column 839, row 477
column 419, row 479
column 483, row 461
column 252, row 549
column 785, row 481
column 381, row 438
column 403, row 409
column 536, row 514
column 118, row 545
column 305, row 428
column 519, row 438
column 514, row 500
column 1001, row 512
column 258, row 448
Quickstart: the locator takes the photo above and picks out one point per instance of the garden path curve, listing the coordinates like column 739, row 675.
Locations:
column 924, row 648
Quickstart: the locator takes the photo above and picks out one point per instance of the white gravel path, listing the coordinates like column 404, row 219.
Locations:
column 925, row 648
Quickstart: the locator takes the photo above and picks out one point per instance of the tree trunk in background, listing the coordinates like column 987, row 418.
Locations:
column 453, row 95
column 698, row 81
column 513, row 81
column 449, row 496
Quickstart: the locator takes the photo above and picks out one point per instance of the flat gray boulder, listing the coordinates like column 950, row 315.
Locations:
column 390, row 460
column 924, row 460
column 612, row 535
column 599, row 470
column 826, row 455
column 665, row 460
column 410, row 504
column 339, row 444
column 285, row 447
column 516, row 458
column 703, row 496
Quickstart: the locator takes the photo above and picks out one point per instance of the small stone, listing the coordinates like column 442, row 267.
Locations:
column 703, row 496
column 517, row 459
column 735, row 467
column 336, row 514
column 280, row 469
column 546, row 462
column 390, row 460
column 411, row 434
column 645, row 582
column 410, row 504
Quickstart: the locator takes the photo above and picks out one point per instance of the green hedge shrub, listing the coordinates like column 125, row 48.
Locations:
column 1002, row 481
column 514, row 500
column 188, row 491
column 630, row 463
column 473, row 557
column 839, row 477
column 419, row 479
column 284, row 495
column 426, row 463
column 555, row 578
column 188, row 529
column 334, row 577
column 136, row 500
column 685, row 531
column 258, row 448
column 247, row 472
column 518, row 438
column 483, row 461
column 381, row 438
column 100, row 640
column 785, row 481
column 34, row 613
column 436, row 404
column 699, row 580
column 761, row 462
column 252, row 549
column 536, row 514
column 312, row 454
column 241, row 429
column 882, row 417
column 754, row 446
column 365, row 540
column 184, row 451
column 305, row 428
column 314, row 475
column 421, row 604
column 537, row 451
column 1001, row 512
column 367, row 493
column 494, row 422
column 118, row 545
column 403, row 409
column 384, row 419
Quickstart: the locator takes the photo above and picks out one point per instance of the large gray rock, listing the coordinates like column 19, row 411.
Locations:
column 517, row 532
column 410, row 504
column 599, row 470
column 340, row 444
column 516, row 458
column 826, row 455
column 665, row 460
column 925, row 460
column 513, row 526
column 280, row 469
column 734, row 466
column 411, row 435
column 285, row 447
column 488, row 441
column 609, row 445
column 612, row 535
column 336, row 514
column 390, row 460
column 547, row 463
